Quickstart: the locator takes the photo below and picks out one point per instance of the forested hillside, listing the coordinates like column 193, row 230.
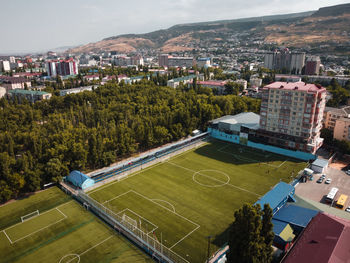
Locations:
column 42, row 142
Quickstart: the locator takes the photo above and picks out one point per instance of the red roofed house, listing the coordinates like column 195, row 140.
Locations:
column 11, row 83
column 213, row 84
column 91, row 77
column 325, row 239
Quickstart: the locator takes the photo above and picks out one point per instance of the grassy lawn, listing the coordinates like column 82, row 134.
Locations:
column 193, row 195
column 64, row 233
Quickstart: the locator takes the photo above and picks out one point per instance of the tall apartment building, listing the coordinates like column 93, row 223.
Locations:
column 163, row 60
column 5, row 65
column 312, row 65
column 292, row 62
column 61, row 67
column 291, row 115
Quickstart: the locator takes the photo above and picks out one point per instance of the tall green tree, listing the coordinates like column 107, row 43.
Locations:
column 250, row 235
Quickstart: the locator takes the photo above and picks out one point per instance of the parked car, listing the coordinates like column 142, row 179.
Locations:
column 348, row 172
column 347, row 209
column 323, row 176
column 328, row 181
column 320, row 180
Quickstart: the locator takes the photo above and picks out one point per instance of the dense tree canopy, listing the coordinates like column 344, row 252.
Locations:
column 251, row 235
column 42, row 142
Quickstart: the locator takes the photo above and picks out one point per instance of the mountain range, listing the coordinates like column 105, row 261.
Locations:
column 328, row 25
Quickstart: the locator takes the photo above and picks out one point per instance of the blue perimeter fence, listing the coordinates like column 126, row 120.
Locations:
column 146, row 158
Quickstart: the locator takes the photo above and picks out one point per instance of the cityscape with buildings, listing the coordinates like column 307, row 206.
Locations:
column 221, row 141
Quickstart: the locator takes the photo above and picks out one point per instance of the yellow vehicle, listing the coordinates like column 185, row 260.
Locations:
column 341, row 201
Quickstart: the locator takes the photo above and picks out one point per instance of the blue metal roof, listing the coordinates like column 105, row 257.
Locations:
column 278, row 226
column 320, row 162
column 79, row 179
column 276, row 195
column 295, row 215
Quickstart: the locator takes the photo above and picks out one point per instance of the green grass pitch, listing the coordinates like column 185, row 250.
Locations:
column 63, row 232
column 191, row 196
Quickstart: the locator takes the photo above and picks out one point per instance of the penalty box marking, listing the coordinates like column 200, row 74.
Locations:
column 174, row 212
column 56, row 208
column 250, row 159
column 127, row 209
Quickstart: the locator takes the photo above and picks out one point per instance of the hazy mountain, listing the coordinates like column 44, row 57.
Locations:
column 327, row 25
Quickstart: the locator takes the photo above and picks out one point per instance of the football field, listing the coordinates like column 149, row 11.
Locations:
column 192, row 196
column 57, row 229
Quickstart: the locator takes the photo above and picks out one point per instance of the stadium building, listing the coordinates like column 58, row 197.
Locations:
column 80, row 180
column 244, row 129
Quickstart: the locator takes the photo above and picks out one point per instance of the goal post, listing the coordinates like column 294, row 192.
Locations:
column 29, row 216
column 130, row 221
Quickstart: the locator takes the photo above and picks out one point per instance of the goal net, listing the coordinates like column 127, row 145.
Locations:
column 30, row 215
column 131, row 223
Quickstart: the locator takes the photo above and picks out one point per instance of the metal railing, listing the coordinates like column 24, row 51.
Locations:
column 144, row 240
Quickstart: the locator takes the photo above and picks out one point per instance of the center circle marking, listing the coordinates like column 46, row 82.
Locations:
column 219, row 184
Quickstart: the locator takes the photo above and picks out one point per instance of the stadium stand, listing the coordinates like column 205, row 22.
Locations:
column 79, row 179
column 278, row 196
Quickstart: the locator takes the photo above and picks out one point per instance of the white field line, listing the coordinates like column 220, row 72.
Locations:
column 31, row 216
column 116, row 197
column 42, row 227
column 214, row 179
column 197, row 225
column 184, row 237
column 145, row 169
column 188, row 220
column 173, row 207
column 7, row 237
column 150, row 223
column 96, row 245
column 252, row 160
column 39, row 215
column 74, row 258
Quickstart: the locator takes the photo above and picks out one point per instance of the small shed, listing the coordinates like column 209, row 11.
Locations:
column 283, row 235
column 80, row 180
column 320, row 165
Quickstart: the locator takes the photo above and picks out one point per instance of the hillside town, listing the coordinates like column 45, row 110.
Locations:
column 226, row 144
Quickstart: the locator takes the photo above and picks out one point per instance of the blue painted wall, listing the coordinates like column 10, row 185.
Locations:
column 269, row 148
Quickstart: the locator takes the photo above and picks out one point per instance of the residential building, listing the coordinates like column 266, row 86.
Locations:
column 11, row 83
column 2, row 92
column 92, row 77
column 174, row 83
column 219, row 85
column 76, row 90
column 163, row 60
column 285, row 60
column 255, row 81
column 342, row 129
column 291, row 115
column 287, row 78
column 5, row 65
column 204, row 62
column 331, row 115
column 312, row 65
column 242, row 82
column 66, row 67
column 30, row 95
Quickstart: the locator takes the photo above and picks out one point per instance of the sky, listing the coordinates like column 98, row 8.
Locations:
column 41, row 25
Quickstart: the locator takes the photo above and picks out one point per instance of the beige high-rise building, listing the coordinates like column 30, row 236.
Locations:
column 342, row 129
column 331, row 115
column 291, row 115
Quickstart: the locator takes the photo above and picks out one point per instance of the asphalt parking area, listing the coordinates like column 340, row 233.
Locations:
column 318, row 191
